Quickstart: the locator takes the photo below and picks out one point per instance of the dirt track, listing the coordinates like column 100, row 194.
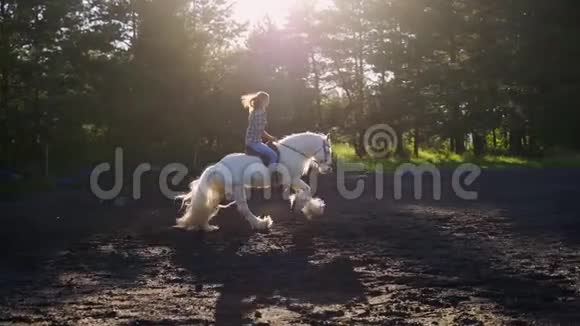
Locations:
column 510, row 257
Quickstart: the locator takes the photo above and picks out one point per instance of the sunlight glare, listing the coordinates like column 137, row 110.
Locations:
column 253, row 11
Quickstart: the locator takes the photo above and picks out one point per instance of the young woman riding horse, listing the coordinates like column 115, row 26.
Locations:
column 234, row 175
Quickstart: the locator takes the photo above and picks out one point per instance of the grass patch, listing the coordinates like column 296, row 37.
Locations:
column 346, row 153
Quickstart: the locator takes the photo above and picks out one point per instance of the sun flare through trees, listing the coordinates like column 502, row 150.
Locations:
column 159, row 76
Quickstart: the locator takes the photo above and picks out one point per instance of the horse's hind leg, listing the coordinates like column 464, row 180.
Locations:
column 242, row 203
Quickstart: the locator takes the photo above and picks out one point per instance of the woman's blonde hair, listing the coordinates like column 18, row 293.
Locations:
column 257, row 100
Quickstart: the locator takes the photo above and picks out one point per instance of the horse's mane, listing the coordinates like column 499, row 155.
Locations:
column 307, row 133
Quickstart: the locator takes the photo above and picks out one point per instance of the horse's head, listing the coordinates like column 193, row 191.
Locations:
column 323, row 156
column 312, row 146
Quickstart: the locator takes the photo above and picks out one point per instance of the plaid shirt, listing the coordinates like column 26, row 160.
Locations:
column 256, row 125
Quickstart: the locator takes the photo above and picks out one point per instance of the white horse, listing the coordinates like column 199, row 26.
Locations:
column 236, row 174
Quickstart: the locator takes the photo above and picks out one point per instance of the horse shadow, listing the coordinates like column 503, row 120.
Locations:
column 253, row 271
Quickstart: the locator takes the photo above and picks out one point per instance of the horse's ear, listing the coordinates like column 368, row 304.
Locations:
column 327, row 136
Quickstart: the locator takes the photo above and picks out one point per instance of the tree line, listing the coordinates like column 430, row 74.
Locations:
column 163, row 79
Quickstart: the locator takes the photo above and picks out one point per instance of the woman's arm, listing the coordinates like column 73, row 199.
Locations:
column 269, row 137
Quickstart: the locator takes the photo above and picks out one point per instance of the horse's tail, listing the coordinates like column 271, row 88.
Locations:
column 201, row 202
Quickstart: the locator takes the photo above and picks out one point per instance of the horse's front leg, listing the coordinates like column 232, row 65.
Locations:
column 242, row 203
column 309, row 206
column 299, row 185
column 301, row 193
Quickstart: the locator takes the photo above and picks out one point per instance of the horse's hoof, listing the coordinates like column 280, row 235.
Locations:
column 264, row 223
column 292, row 199
column 313, row 208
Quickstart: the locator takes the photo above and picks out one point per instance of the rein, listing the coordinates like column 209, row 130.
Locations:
column 324, row 148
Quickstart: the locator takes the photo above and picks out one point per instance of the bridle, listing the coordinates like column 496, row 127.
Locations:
column 325, row 147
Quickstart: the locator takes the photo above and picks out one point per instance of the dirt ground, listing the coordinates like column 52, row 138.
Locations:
column 509, row 258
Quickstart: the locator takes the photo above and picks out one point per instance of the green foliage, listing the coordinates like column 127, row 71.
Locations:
column 487, row 80
column 445, row 159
